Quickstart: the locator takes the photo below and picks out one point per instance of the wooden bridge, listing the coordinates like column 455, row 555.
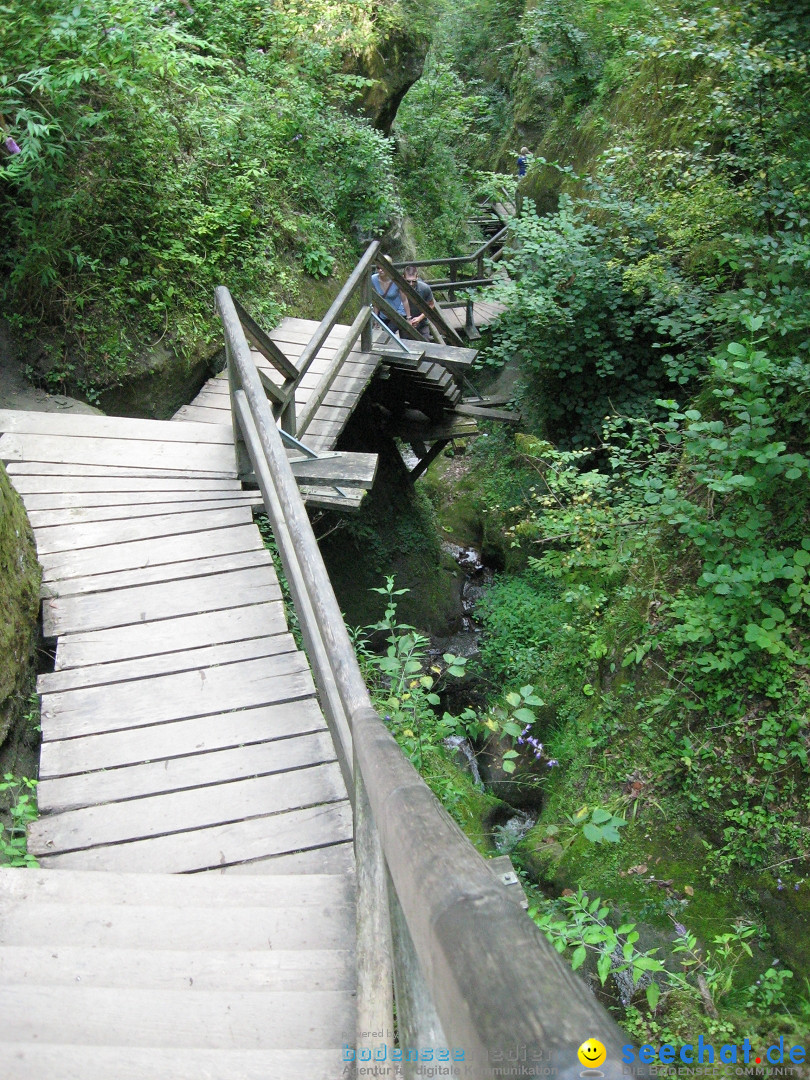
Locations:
column 240, row 872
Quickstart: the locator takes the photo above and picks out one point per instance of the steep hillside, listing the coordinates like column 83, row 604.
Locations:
column 167, row 148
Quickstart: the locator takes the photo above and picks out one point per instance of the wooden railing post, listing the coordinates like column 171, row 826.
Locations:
column 287, row 416
column 365, row 336
column 375, row 983
column 469, row 322
column 418, row 1025
column 243, row 465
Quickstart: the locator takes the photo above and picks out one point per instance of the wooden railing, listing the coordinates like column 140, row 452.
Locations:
column 490, row 250
column 283, row 397
column 469, row 970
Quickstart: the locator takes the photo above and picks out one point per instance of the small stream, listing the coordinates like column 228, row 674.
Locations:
column 476, row 577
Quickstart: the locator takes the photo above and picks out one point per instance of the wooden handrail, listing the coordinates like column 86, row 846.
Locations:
column 265, row 344
column 456, row 260
column 315, row 399
column 500, row 991
column 327, row 323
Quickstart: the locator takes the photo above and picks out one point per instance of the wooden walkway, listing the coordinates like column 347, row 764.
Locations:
column 212, row 404
column 181, row 734
column 198, row 913
column 484, row 313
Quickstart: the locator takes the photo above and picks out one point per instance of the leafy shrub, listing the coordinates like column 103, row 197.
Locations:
column 167, row 150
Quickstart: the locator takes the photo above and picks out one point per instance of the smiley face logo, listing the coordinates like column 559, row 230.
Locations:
column 592, row 1054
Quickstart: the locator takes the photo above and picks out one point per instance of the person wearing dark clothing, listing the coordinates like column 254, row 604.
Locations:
column 523, row 161
column 419, row 321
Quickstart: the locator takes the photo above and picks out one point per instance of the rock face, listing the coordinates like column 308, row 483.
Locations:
column 394, row 63
column 19, row 604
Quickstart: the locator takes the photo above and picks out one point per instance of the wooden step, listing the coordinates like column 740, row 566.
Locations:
column 27, row 1061
column 109, row 975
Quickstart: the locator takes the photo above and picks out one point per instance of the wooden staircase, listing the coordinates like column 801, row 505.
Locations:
column 110, row 976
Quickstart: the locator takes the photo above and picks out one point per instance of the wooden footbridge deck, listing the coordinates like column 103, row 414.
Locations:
column 239, row 869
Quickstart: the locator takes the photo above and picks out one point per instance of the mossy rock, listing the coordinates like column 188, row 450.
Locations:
column 473, row 809
column 393, row 64
column 19, row 604
column 787, row 912
column 653, row 877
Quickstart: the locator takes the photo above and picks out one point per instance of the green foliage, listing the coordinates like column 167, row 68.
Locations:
column 438, row 128
column 405, row 685
column 19, row 794
column 584, row 927
column 166, row 150
column 767, row 994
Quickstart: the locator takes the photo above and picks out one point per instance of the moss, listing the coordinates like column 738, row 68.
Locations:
column 19, row 604
column 451, row 486
column 472, row 808
column 787, row 912
column 394, row 533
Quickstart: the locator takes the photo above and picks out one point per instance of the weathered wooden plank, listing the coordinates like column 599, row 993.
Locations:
column 70, row 468
column 198, row 770
column 203, row 457
column 202, row 413
column 124, row 579
column 330, row 499
column 107, row 484
column 219, row 845
column 65, row 500
column 217, row 385
column 327, row 412
column 347, row 380
column 339, row 399
column 161, row 600
column 481, row 413
column 158, row 638
column 328, row 428
column 175, row 811
column 332, row 859
column 157, row 1018
column 148, row 890
column 163, row 969
column 33, row 1061
column 155, row 551
column 175, row 697
column 79, row 515
column 165, row 663
column 353, row 470
column 94, row 535
column 89, row 425
column 453, row 427
column 166, row 926
column 70, row 757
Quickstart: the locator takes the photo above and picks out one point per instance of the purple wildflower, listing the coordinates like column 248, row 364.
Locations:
column 779, row 887
column 11, row 146
column 795, row 888
column 680, row 929
column 552, row 762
